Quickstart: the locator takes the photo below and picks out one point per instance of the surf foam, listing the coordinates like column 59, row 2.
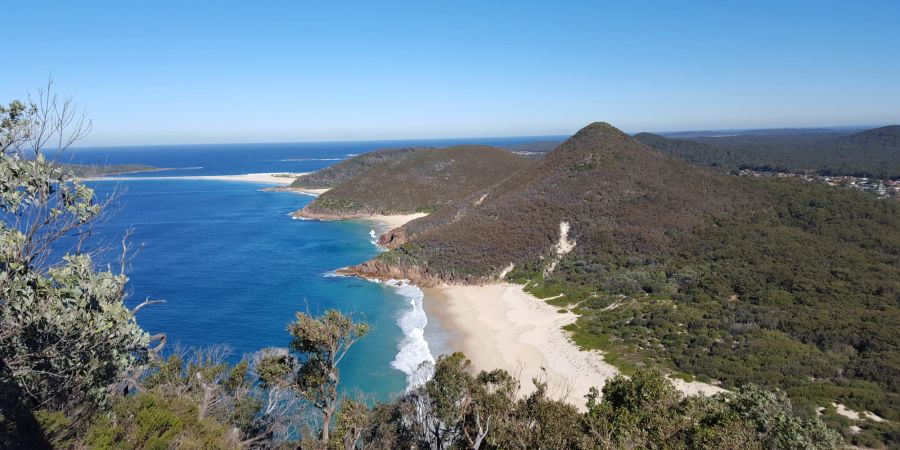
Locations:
column 414, row 357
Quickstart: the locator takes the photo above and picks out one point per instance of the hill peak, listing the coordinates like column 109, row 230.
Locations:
column 596, row 141
column 599, row 129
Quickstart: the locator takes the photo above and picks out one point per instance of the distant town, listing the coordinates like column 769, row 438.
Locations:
column 881, row 188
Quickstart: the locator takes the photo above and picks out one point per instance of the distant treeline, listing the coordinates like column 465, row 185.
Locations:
column 873, row 153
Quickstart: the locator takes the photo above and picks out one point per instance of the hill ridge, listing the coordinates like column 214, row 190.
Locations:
column 422, row 181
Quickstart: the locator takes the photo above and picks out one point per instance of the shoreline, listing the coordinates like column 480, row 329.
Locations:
column 500, row 326
column 279, row 178
column 388, row 221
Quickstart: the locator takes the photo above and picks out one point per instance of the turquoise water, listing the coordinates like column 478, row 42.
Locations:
column 233, row 267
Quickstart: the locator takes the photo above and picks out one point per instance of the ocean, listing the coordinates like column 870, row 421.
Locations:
column 233, row 267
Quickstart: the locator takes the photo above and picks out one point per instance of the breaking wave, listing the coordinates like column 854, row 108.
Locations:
column 413, row 349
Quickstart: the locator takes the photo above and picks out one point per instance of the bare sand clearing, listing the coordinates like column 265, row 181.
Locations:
column 502, row 326
column 281, row 178
column 851, row 414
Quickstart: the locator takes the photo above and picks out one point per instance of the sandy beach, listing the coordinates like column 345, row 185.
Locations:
column 393, row 221
column 385, row 222
column 502, row 326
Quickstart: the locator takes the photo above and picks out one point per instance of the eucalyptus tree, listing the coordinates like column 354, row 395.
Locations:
column 66, row 335
column 321, row 343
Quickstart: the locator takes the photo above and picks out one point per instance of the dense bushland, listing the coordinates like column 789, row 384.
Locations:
column 871, row 153
column 336, row 174
column 421, row 181
column 779, row 283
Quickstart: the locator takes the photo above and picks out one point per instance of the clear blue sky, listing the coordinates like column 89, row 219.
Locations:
column 195, row 71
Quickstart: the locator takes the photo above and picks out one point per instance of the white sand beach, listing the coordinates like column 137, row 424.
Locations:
column 502, row 326
column 394, row 221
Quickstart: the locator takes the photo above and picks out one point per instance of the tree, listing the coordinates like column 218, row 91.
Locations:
column 321, row 344
column 65, row 334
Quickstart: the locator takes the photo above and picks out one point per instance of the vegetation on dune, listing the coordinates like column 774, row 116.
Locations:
column 336, row 174
column 424, row 181
column 870, row 153
column 780, row 283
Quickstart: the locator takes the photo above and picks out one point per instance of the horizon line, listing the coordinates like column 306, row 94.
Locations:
column 524, row 136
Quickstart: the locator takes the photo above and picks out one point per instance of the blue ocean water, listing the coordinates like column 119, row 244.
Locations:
column 233, row 267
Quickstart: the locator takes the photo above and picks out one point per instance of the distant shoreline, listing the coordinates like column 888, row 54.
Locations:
column 279, row 178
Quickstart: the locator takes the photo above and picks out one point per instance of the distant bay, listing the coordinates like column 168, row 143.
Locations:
column 232, row 265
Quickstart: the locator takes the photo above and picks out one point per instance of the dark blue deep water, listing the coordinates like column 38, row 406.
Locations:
column 231, row 264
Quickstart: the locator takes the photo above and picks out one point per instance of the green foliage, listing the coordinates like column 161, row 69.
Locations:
column 646, row 411
column 156, row 421
column 321, row 343
column 16, row 120
column 67, row 334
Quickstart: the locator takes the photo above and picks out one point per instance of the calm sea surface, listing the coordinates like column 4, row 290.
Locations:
column 233, row 267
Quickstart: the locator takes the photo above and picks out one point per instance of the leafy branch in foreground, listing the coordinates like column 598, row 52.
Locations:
column 66, row 337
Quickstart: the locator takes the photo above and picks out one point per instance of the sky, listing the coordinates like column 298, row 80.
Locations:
column 276, row 71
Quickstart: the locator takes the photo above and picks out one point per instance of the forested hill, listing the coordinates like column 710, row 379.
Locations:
column 338, row 173
column 613, row 192
column 672, row 265
column 420, row 181
column 870, row 153
column 700, row 153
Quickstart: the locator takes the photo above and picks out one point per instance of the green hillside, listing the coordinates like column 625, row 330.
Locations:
column 736, row 280
column 421, row 181
column 338, row 173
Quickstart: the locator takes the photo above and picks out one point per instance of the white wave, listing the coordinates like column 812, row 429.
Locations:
column 334, row 274
column 350, row 155
column 308, row 194
column 414, row 357
column 374, row 237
